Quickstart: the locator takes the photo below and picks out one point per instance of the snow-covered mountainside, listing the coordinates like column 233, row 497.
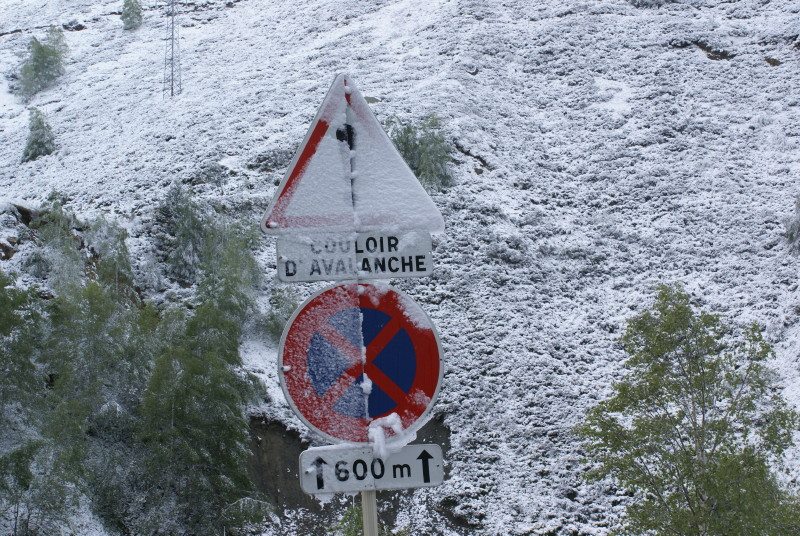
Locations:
column 602, row 148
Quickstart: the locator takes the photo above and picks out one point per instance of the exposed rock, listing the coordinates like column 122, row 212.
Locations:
column 74, row 26
column 6, row 249
column 26, row 215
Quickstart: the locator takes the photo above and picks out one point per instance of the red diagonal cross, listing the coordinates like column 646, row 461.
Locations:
column 353, row 353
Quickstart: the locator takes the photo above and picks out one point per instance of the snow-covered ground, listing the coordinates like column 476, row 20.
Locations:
column 603, row 147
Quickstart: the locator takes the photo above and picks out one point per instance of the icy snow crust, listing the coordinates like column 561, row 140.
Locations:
column 349, row 180
column 347, row 338
column 601, row 151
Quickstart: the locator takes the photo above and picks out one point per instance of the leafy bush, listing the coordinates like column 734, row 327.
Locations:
column 793, row 228
column 44, row 63
column 41, row 141
column 425, row 150
column 693, row 428
column 131, row 14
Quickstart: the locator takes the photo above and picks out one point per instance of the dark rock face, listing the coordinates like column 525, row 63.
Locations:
column 26, row 215
column 275, row 464
column 6, row 250
column 73, row 26
column 274, row 469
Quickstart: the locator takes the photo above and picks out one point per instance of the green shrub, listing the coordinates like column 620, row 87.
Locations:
column 57, row 259
column 425, row 150
column 110, row 254
column 195, row 429
column 793, row 228
column 131, row 14
column 246, row 516
column 142, row 415
column 41, row 141
column 693, row 428
column 352, row 524
column 44, row 63
column 180, row 233
column 283, row 302
column 228, row 271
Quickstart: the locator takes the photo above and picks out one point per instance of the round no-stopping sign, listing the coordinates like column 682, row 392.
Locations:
column 356, row 353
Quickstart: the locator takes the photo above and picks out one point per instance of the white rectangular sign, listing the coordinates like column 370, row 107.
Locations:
column 325, row 257
column 348, row 469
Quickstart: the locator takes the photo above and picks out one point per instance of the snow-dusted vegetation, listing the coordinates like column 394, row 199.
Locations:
column 598, row 150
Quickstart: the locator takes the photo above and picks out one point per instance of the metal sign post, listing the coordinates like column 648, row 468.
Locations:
column 369, row 512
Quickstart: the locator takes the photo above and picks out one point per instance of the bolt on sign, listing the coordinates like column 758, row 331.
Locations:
column 359, row 363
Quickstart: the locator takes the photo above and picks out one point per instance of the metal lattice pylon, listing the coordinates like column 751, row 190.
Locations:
column 172, row 54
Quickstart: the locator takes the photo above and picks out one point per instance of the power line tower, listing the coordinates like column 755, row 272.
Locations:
column 172, row 55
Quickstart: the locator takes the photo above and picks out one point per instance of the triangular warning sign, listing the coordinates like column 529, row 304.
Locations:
column 347, row 176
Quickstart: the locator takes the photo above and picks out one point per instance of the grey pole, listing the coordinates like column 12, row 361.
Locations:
column 369, row 502
column 369, row 512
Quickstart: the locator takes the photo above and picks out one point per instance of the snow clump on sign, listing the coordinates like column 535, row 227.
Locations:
column 377, row 435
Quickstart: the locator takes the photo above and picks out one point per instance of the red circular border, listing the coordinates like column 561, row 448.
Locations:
column 313, row 315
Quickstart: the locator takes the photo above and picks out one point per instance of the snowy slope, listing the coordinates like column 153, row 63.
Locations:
column 603, row 148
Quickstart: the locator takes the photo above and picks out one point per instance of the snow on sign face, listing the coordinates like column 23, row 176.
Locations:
column 349, row 469
column 348, row 176
column 322, row 257
column 357, row 357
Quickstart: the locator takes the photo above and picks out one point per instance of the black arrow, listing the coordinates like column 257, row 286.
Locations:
column 318, row 463
column 425, row 457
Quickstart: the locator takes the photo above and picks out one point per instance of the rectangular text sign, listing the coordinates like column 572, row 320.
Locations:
column 326, row 257
column 348, row 469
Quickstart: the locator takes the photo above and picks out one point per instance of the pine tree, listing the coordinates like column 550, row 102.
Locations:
column 693, row 428
column 44, row 63
column 41, row 141
column 33, row 493
column 58, row 260
column 179, row 234
column 425, row 150
column 112, row 260
column 17, row 315
column 99, row 349
column 131, row 14
column 229, row 272
column 195, row 428
column 194, row 424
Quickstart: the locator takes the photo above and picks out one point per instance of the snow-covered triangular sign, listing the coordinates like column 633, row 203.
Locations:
column 347, row 176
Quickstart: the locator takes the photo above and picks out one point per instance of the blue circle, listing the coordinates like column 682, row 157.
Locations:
column 397, row 361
